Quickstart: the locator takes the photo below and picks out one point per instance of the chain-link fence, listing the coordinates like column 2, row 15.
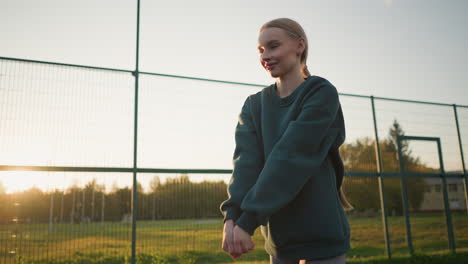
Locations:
column 68, row 165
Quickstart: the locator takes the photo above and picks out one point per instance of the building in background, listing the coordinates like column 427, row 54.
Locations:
column 433, row 196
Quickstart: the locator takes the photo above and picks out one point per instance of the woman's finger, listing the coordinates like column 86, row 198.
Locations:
column 237, row 247
column 245, row 246
column 225, row 245
column 251, row 245
column 227, row 237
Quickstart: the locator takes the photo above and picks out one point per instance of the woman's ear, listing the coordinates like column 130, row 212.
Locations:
column 300, row 46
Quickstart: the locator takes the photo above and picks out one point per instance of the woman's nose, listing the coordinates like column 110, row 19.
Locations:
column 265, row 56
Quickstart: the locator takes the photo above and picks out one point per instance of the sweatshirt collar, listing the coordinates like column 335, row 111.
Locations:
column 287, row 100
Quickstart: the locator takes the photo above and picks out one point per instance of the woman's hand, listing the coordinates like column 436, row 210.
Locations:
column 242, row 242
column 228, row 238
column 235, row 240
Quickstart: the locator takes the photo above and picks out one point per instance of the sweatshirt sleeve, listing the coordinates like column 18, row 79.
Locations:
column 247, row 163
column 295, row 157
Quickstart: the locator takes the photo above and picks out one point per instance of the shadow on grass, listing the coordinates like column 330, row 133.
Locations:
column 221, row 257
column 459, row 258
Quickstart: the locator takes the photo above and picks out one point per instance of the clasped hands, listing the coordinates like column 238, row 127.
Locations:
column 236, row 241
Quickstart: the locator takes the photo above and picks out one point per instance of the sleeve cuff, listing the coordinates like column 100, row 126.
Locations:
column 232, row 213
column 248, row 222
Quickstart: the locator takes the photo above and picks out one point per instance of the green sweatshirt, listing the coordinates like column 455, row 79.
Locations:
column 287, row 171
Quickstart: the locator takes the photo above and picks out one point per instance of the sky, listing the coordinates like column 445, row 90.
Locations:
column 414, row 49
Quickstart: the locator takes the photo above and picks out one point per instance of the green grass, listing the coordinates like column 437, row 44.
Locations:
column 199, row 241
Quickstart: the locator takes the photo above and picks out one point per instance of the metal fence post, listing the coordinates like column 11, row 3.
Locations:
column 448, row 215
column 465, row 176
column 135, row 134
column 404, row 197
column 381, row 182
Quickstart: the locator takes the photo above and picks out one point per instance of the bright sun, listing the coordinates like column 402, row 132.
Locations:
column 14, row 181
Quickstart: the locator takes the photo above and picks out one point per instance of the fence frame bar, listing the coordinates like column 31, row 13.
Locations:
column 404, row 196
column 213, row 80
column 442, row 175
column 448, row 214
column 135, row 140
column 465, row 176
column 383, row 206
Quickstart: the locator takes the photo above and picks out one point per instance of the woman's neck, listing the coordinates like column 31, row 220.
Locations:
column 286, row 84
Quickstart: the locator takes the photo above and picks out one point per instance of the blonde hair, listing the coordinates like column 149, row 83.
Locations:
column 295, row 31
column 344, row 201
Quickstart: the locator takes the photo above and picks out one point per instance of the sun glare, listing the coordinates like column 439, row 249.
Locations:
column 14, row 181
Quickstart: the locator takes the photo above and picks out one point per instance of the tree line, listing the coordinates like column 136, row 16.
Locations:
column 174, row 199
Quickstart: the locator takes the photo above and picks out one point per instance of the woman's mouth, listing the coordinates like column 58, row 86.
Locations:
column 270, row 66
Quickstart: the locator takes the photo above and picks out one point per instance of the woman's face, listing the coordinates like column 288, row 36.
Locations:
column 279, row 53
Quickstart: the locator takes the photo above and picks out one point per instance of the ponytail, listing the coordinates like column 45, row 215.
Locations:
column 305, row 71
column 344, row 201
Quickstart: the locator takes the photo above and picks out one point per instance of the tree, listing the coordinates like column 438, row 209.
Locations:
column 5, row 206
column 2, row 189
column 155, row 183
column 393, row 133
column 361, row 156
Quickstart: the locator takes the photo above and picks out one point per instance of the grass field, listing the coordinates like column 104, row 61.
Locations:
column 199, row 241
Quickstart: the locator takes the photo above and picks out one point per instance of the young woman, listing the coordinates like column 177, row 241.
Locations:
column 288, row 172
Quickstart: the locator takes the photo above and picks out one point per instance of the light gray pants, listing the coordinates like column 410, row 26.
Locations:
column 341, row 259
